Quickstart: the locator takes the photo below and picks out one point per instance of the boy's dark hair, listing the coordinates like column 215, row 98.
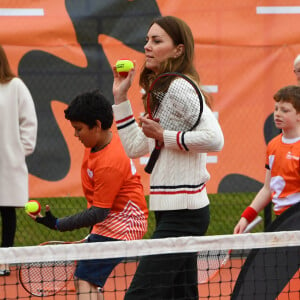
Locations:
column 90, row 107
column 291, row 94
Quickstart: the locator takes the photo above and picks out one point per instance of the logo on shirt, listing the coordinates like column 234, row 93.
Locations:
column 90, row 173
column 289, row 155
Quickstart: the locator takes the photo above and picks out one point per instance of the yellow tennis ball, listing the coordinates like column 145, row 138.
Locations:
column 32, row 207
column 123, row 66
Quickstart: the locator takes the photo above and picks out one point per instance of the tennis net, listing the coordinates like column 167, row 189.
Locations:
column 258, row 266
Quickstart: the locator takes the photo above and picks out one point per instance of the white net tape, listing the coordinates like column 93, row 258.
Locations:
column 148, row 247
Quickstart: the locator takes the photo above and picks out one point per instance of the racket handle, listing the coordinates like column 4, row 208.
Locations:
column 152, row 160
column 253, row 224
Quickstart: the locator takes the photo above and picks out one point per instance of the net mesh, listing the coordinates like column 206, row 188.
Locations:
column 259, row 266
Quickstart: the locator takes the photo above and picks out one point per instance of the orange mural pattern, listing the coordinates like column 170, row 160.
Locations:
column 244, row 54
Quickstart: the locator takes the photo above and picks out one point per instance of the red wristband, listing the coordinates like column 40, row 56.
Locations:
column 249, row 214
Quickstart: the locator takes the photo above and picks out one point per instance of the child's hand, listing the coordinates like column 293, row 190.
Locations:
column 49, row 220
column 241, row 226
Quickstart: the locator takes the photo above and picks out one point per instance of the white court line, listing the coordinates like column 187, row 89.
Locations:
column 21, row 12
column 278, row 9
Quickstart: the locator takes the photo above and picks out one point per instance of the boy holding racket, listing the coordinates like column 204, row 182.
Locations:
column 111, row 186
column 282, row 187
column 282, row 177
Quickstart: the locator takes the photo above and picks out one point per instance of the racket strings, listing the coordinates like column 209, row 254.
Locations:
column 157, row 92
column 178, row 108
column 209, row 262
column 46, row 278
column 176, row 103
column 49, row 277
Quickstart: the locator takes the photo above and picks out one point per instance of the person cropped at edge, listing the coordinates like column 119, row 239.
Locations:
column 116, row 205
column 169, row 47
column 297, row 68
column 282, row 176
column 18, row 122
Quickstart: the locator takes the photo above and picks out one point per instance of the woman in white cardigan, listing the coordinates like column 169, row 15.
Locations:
column 18, row 123
column 177, row 183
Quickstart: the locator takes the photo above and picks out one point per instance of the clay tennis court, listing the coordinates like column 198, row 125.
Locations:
column 219, row 287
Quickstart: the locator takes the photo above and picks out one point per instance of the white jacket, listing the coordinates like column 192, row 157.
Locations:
column 18, row 125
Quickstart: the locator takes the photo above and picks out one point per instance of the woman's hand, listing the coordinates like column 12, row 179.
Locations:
column 152, row 129
column 122, row 84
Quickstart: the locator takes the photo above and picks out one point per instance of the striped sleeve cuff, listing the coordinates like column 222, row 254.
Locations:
column 173, row 139
column 123, row 114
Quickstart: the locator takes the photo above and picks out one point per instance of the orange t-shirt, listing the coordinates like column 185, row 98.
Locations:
column 283, row 162
column 109, row 180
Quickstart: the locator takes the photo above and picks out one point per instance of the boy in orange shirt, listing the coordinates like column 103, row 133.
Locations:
column 282, row 179
column 116, row 206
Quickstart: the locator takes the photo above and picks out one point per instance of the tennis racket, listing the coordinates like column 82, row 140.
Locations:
column 176, row 102
column 211, row 262
column 44, row 279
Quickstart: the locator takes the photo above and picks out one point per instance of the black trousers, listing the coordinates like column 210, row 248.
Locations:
column 9, row 225
column 170, row 276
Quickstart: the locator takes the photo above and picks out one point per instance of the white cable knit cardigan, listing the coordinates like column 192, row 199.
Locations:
column 179, row 175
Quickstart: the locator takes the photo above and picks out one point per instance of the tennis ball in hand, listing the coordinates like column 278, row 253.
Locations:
column 33, row 207
column 123, row 66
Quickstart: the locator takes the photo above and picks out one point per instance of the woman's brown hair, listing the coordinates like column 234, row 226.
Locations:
column 180, row 33
column 6, row 73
